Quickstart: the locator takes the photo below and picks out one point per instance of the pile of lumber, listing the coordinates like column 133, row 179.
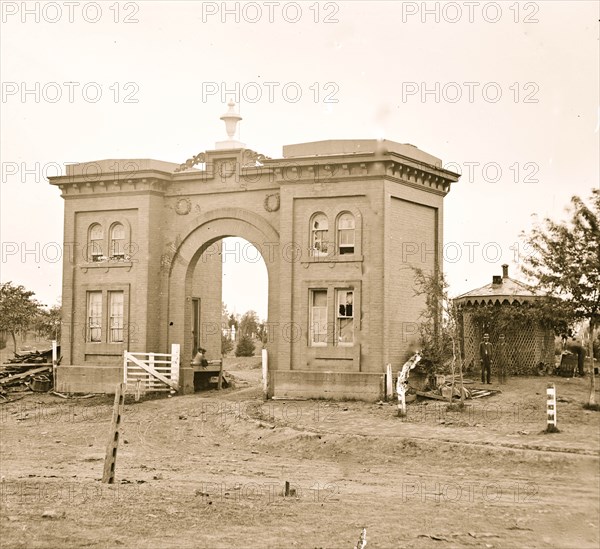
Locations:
column 444, row 389
column 27, row 370
column 13, row 376
column 25, row 378
column 33, row 357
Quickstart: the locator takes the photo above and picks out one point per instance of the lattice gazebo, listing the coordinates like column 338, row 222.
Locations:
column 527, row 342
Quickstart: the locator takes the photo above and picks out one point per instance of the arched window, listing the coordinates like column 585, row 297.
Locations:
column 95, row 241
column 319, row 235
column 345, row 230
column 117, row 241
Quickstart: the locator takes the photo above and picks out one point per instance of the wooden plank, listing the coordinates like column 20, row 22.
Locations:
column 149, row 362
column 21, row 364
column 10, row 379
column 147, row 354
column 212, row 368
column 110, row 461
column 431, row 395
column 154, row 373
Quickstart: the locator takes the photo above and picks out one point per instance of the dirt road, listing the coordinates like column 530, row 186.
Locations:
column 209, row 470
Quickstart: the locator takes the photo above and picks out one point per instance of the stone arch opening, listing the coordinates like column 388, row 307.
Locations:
column 244, row 285
column 195, row 274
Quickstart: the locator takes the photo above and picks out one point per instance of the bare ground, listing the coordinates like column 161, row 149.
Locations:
column 209, row 470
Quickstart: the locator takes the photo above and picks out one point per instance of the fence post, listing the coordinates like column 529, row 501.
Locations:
column 125, row 367
column 389, row 387
column 265, row 372
column 362, row 540
column 175, row 360
column 551, row 409
column 138, row 390
column 150, row 381
column 54, row 361
column 110, row 461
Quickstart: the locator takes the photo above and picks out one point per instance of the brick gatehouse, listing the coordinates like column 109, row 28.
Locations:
column 338, row 223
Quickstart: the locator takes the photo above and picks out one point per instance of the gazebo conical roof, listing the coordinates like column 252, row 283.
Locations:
column 501, row 289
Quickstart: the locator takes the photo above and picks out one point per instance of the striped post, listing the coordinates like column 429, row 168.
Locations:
column 110, row 460
column 362, row 540
column 551, row 409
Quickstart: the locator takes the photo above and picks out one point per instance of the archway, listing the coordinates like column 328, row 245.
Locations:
column 201, row 243
column 244, row 293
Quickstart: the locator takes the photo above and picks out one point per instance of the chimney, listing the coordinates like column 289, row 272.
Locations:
column 505, row 271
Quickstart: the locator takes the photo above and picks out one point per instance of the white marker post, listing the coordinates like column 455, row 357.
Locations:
column 54, row 362
column 389, row 383
column 265, row 372
column 551, row 409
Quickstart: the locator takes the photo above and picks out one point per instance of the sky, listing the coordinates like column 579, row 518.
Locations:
column 504, row 92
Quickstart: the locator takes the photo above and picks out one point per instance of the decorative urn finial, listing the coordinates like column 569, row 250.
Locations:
column 231, row 119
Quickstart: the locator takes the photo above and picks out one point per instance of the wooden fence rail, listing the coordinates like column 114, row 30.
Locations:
column 151, row 372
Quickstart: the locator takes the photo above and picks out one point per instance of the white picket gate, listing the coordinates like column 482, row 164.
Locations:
column 150, row 372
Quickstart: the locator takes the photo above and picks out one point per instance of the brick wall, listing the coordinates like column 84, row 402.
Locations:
column 357, row 271
column 411, row 231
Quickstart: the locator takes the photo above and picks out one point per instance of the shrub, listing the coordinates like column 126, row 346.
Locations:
column 245, row 347
column 226, row 345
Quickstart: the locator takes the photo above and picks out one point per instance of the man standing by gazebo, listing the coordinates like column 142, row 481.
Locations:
column 485, row 354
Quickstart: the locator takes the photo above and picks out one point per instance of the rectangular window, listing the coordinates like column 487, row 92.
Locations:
column 94, row 316
column 345, row 317
column 346, row 234
column 115, row 321
column 96, row 250
column 346, row 237
column 318, row 318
